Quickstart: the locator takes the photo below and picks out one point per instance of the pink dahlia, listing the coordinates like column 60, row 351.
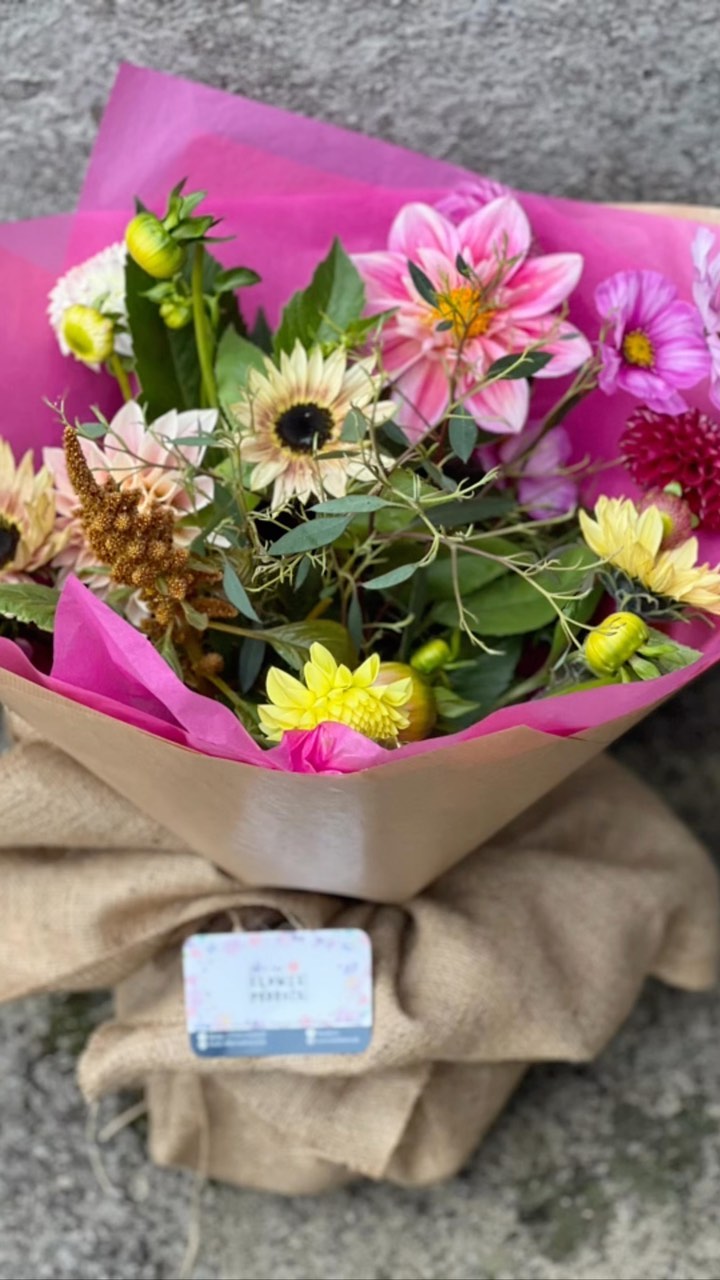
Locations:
column 488, row 299
column 139, row 457
column 660, row 449
column 706, row 292
column 653, row 344
column 467, row 197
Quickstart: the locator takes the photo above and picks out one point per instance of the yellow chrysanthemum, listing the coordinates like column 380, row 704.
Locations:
column 632, row 541
column 292, row 416
column 334, row 693
column 28, row 536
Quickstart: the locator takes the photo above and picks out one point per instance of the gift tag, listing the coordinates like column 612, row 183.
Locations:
column 251, row 995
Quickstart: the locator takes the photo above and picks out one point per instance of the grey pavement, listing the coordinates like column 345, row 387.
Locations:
column 609, row 1170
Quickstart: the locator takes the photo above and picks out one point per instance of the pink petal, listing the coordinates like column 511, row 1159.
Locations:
column 650, row 389
column 549, row 496
column 616, row 297
column 500, row 230
column 384, row 276
column 501, row 407
column 655, row 293
column 567, row 345
column 400, row 353
column 541, row 284
column 419, row 226
column 550, row 454
column 422, row 394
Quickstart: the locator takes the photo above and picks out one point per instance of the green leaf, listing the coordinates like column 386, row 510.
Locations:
column 423, row 284
column 235, row 278
column 513, row 605
column 29, row 602
column 464, row 511
column 261, row 333
column 292, row 641
column 202, row 438
column 236, row 356
column 523, row 365
column 302, row 572
column 167, row 650
column 355, row 619
column 463, row 435
column 196, row 619
column 252, row 656
column 165, row 359
column 451, row 706
column 236, row 593
column 91, row 430
column 463, row 267
column 473, row 573
column 320, row 532
column 392, row 578
column 487, row 677
column 324, row 311
column 352, row 504
column 667, row 654
column 395, row 434
column 354, row 428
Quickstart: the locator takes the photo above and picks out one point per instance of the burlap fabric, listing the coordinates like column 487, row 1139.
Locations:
column 533, row 948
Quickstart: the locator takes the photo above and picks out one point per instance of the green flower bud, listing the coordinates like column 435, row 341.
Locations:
column 176, row 313
column 88, row 333
column 613, row 642
column 431, row 657
column 152, row 247
column 420, row 708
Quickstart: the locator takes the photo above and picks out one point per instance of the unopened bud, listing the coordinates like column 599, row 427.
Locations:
column 613, row 642
column 420, row 708
column 176, row 313
column 431, row 657
column 152, row 247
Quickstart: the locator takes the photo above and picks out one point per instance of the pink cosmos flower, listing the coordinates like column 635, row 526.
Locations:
column 138, row 457
column 502, row 303
column 467, row 197
column 654, row 343
column 706, row 292
column 543, row 486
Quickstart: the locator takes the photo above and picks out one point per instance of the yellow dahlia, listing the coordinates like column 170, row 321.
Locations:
column 28, row 535
column 292, row 416
column 332, row 692
column 633, row 542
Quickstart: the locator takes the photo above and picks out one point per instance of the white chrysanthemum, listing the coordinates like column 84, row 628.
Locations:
column 292, row 418
column 98, row 283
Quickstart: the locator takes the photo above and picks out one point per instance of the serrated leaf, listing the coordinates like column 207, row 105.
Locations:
column 236, row 356
column 522, row 365
column 463, row 435
column 310, row 536
column 392, row 578
column 423, row 284
column 236, row 593
column 514, row 605
column 352, row 504
column 333, row 300
column 29, row 602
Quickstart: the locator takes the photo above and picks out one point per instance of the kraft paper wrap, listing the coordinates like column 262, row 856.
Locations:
column 382, row 834
column 532, row 948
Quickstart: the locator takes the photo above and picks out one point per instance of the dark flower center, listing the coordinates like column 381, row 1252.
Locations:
column 9, row 539
column 305, row 427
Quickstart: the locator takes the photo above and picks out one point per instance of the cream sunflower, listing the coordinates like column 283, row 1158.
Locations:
column 336, row 694
column 633, row 542
column 29, row 538
column 292, row 417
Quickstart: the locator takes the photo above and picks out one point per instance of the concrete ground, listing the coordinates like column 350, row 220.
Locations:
column 611, row 1170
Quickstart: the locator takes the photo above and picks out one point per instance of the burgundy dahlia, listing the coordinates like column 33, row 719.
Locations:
column 661, row 448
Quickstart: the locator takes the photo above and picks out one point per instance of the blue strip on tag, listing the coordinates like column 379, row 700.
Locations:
column 254, row 995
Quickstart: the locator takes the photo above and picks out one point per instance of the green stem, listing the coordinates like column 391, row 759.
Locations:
column 116, row 368
column 203, row 337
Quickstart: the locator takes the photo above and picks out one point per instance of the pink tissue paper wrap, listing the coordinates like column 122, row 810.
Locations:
column 328, row 810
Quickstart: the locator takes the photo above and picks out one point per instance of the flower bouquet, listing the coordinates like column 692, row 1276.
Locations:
column 369, row 502
column 385, row 530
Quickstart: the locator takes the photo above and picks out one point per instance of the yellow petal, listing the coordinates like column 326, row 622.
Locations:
column 285, row 691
